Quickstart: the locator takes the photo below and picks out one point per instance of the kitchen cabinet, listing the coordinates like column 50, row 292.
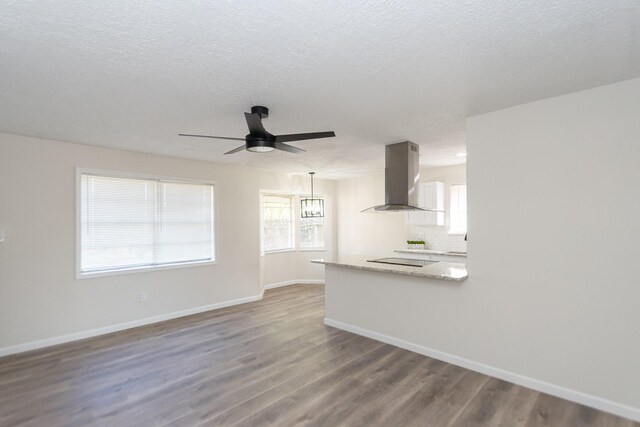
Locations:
column 430, row 196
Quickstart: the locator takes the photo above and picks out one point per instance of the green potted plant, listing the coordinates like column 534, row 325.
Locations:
column 416, row 244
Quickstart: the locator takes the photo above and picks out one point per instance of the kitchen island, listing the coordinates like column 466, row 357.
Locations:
column 409, row 307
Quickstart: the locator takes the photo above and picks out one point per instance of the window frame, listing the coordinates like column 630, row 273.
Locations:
column 296, row 223
column 131, row 175
column 451, row 231
column 294, row 235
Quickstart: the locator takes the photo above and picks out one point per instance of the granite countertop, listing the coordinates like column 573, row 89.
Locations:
column 453, row 271
column 430, row 251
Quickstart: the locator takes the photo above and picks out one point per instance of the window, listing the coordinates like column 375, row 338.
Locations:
column 128, row 223
column 458, row 211
column 277, row 223
column 312, row 233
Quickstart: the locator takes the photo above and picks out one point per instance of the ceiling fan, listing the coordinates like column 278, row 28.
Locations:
column 260, row 141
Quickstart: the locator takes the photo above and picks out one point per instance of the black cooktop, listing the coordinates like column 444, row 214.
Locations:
column 403, row 261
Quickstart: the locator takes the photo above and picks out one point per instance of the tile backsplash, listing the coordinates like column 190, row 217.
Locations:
column 438, row 238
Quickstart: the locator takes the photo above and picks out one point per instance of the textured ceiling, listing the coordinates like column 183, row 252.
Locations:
column 132, row 75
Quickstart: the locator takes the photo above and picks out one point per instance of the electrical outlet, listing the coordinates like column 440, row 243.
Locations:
column 143, row 297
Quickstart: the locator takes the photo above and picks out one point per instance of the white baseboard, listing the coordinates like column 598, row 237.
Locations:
column 33, row 345
column 294, row 282
column 552, row 389
column 48, row 342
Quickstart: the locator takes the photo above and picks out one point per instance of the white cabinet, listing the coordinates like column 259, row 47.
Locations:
column 430, row 196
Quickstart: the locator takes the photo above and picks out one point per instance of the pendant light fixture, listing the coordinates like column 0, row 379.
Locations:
column 310, row 207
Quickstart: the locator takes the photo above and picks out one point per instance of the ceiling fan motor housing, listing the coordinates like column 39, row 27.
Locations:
column 263, row 111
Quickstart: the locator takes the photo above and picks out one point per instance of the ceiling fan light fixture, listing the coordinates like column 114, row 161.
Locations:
column 260, row 149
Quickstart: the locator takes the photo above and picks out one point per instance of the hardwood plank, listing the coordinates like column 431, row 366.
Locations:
column 292, row 408
column 440, row 400
column 363, row 404
column 218, row 392
column 300, row 376
column 498, row 403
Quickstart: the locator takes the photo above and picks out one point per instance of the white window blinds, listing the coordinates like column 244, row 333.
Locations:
column 277, row 223
column 134, row 223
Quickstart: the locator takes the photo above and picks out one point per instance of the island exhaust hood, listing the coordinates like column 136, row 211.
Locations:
column 401, row 179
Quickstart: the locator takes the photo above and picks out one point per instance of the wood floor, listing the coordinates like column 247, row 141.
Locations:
column 271, row 362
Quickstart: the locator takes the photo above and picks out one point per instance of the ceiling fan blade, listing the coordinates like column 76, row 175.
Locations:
column 255, row 124
column 214, row 137
column 289, row 148
column 302, row 136
column 235, row 150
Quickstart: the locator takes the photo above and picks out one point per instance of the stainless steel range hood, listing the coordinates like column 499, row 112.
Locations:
column 401, row 179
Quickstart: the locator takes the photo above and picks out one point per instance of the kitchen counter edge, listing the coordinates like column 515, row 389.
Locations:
column 452, row 271
column 430, row 252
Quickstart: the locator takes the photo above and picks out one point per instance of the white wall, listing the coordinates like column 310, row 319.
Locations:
column 367, row 233
column 558, row 180
column 40, row 297
column 378, row 234
column 294, row 266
